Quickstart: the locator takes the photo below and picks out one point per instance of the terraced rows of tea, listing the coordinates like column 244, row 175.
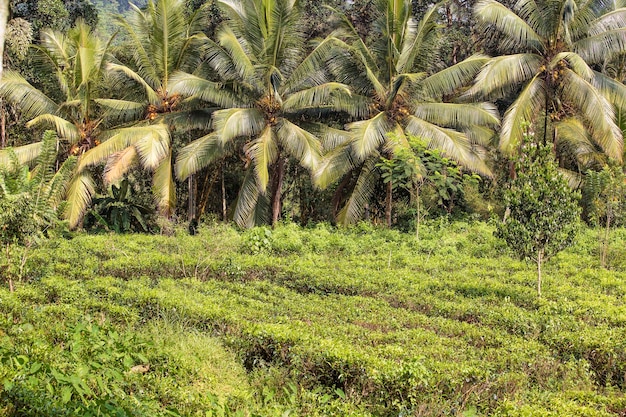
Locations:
column 314, row 322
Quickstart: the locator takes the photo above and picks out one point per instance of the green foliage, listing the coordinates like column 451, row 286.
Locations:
column 119, row 211
column 544, row 211
column 604, row 201
column 355, row 321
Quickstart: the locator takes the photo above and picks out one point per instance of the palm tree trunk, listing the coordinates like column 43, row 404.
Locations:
column 4, row 17
column 280, row 174
column 605, row 240
column 3, row 125
column 388, row 203
column 224, row 215
column 191, row 207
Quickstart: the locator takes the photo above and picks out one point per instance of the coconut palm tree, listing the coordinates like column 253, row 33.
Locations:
column 74, row 109
column 552, row 53
column 397, row 94
column 260, row 60
column 163, row 41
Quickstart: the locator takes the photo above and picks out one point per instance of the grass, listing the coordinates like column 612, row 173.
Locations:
column 318, row 321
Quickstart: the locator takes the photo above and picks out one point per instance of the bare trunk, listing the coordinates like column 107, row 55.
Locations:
column 4, row 17
column 280, row 174
column 539, row 262
column 605, row 240
column 207, row 189
column 3, row 125
column 388, row 203
column 191, row 203
column 417, row 217
column 224, row 216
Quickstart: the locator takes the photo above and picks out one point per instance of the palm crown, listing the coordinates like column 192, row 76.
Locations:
column 77, row 113
column 268, row 85
column 395, row 93
column 556, row 47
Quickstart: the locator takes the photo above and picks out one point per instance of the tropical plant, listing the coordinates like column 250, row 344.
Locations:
column 76, row 111
column 269, row 85
column 30, row 201
column 554, row 48
column 394, row 92
column 544, row 212
column 118, row 211
column 163, row 40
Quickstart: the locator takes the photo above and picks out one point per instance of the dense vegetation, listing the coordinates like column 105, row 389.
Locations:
column 263, row 110
column 313, row 322
column 506, row 117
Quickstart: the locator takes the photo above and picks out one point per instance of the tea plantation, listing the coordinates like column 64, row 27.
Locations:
column 313, row 322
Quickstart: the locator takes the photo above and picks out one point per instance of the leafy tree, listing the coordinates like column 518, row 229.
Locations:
column 551, row 52
column 268, row 87
column 82, row 119
column 604, row 194
column 544, row 211
column 394, row 92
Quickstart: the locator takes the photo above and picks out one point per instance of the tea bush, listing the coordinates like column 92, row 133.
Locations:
column 318, row 321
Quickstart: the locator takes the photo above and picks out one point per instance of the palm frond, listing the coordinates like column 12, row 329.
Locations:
column 153, row 146
column 60, row 182
column 25, row 154
column 239, row 58
column 576, row 63
column 369, row 135
column 193, row 86
column 149, row 88
column 299, row 143
column 317, row 96
column 529, row 104
column 30, row 100
column 597, row 110
column 361, row 194
column 334, row 164
column 198, row 155
column 454, row 144
column 120, row 139
column 247, row 201
column 515, row 29
column 66, row 130
column 595, row 49
column 122, row 110
column 230, row 124
column 451, row 79
column 415, row 39
column 119, row 164
column 263, row 151
column 613, row 90
column 79, row 197
column 459, row 115
column 502, row 73
column 163, row 186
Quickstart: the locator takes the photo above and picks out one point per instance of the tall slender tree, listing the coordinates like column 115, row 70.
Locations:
column 395, row 91
column 163, row 40
column 261, row 63
column 75, row 109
